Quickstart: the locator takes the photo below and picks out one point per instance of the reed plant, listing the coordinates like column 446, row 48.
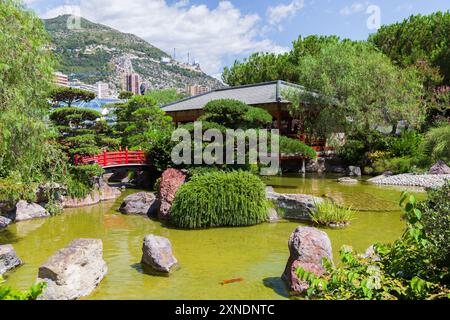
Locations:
column 327, row 213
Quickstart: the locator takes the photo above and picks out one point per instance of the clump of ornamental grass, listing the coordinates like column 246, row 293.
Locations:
column 328, row 214
column 220, row 199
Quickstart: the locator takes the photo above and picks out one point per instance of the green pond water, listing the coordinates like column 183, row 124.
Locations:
column 257, row 254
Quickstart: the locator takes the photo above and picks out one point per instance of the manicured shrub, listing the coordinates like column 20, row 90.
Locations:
column 328, row 214
column 291, row 146
column 220, row 199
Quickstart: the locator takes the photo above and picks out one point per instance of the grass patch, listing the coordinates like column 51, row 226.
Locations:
column 327, row 213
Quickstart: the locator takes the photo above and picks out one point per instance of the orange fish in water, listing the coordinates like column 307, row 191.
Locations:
column 232, row 281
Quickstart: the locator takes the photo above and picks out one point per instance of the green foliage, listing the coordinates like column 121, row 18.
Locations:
column 26, row 63
column 397, row 165
column 70, row 95
column 407, row 144
column 126, row 95
column 436, row 221
column 409, row 268
column 220, row 199
column 418, row 38
column 13, row 190
column 436, row 144
column 33, row 293
column 158, row 145
column 79, row 131
column 81, row 180
column 234, row 114
column 137, row 116
column 358, row 82
column 327, row 213
column 289, row 146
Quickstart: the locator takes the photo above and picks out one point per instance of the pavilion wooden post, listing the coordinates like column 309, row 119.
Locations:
column 279, row 116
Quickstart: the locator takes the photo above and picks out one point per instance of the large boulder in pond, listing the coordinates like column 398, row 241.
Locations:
column 307, row 247
column 171, row 181
column 8, row 258
column 144, row 203
column 4, row 222
column 294, row 206
column 74, row 271
column 157, row 255
column 440, row 167
column 107, row 192
column 27, row 211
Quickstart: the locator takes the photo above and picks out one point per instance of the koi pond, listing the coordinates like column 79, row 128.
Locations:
column 255, row 254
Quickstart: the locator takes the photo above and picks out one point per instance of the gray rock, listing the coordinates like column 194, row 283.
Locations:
column 107, row 192
column 8, row 258
column 440, row 168
column 295, row 206
column 28, row 211
column 4, row 222
column 92, row 198
column 307, row 247
column 157, row 254
column 354, row 171
column 74, row 271
column 144, row 203
column 347, row 180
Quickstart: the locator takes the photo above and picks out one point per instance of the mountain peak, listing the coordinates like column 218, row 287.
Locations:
column 94, row 52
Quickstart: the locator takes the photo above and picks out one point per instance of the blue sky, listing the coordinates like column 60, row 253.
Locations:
column 218, row 32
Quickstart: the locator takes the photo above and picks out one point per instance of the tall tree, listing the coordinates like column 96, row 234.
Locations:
column 357, row 86
column 26, row 67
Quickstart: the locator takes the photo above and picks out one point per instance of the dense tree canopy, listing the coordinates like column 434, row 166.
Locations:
column 82, row 131
column 139, row 116
column 418, row 38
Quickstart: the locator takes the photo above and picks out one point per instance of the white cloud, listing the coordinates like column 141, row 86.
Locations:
column 354, row 8
column 209, row 34
column 278, row 14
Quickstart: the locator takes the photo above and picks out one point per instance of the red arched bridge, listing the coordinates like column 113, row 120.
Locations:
column 114, row 159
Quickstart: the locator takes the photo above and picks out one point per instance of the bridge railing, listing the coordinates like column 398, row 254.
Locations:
column 113, row 158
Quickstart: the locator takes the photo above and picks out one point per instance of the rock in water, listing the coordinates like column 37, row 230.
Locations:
column 347, row 180
column 28, row 211
column 8, row 258
column 171, row 181
column 354, row 171
column 73, row 271
column 440, row 168
column 294, row 206
column 307, row 247
column 4, row 222
column 157, row 254
column 144, row 203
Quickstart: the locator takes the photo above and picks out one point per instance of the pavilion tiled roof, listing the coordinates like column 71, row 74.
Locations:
column 254, row 94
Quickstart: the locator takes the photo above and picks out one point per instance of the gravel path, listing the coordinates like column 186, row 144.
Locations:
column 417, row 180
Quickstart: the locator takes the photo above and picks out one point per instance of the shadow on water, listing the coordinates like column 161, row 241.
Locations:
column 8, row 237
column 277, row 285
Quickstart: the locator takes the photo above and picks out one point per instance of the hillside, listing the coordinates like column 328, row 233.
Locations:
column 99, row 53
